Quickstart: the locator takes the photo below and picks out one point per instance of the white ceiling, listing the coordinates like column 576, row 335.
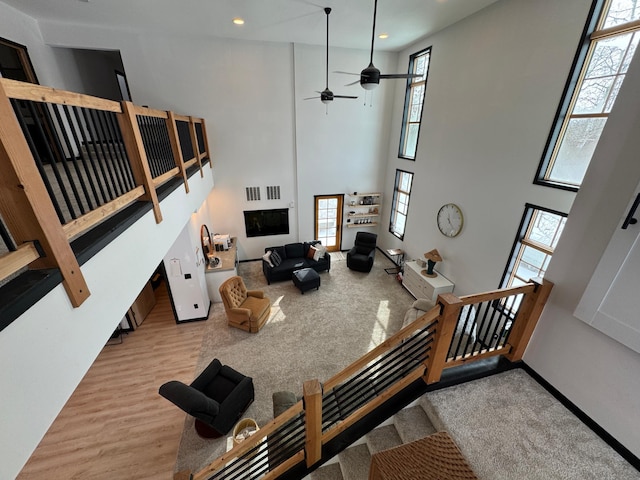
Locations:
column 298, row 21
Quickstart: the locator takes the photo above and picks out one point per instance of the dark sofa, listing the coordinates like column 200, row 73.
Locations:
column 294, row 257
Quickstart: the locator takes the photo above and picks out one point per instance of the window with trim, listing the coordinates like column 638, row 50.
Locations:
column 413, row 101
column 538, row 235
column 609, row 42
column 400, row 204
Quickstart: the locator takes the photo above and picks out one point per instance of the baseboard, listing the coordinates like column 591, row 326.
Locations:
column 588, row 421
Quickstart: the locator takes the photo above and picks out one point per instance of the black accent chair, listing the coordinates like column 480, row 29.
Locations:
column 361, row 256
column 217, row 398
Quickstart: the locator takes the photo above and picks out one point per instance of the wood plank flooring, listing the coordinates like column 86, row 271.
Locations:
column 116, row 425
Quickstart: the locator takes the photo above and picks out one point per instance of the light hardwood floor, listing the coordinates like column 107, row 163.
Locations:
column 116, row 425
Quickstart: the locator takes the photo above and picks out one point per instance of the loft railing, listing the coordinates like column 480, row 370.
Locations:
column 69, row 161
column 500, row 322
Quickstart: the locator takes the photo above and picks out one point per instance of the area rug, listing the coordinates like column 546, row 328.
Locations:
column 308, row 336
column 509, row 427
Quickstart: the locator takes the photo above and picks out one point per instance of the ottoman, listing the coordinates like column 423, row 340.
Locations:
column 306, row 279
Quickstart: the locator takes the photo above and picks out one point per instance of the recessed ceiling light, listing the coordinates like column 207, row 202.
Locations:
column 383, row 36
column 238, row 21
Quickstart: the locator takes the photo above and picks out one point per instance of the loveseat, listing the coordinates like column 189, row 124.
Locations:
column 279, row 263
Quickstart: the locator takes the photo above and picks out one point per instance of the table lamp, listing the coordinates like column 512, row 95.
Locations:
column 432, row 257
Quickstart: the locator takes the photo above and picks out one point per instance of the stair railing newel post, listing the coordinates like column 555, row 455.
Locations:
column 450, row 307
column 138, row 157
column 527, row 318
column 175, row 148
column 26, row 206
column 312, row 398
column 194, row 142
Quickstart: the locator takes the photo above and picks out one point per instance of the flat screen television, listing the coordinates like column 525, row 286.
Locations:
column 260, row 223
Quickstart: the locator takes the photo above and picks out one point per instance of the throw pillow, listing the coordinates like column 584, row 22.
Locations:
column 320, row 251
column 312, row 252
column 275, row 258
column 267, row 258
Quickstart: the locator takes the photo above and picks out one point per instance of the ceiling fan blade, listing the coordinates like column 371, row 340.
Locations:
column 344, row 96
column 346, row 73
column 310, row 98
column 399, row 75
column 352, row 83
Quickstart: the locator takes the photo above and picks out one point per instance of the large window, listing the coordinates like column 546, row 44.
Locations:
column 537, row 238
column 610, row 40
column 413, row 100
column 400, row 205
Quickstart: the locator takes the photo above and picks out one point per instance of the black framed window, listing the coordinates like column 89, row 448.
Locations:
column 413, row 101
column 608, row 43
column 538, row 234
column 400, row 204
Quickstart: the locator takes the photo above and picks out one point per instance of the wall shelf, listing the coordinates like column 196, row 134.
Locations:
column 362, row 207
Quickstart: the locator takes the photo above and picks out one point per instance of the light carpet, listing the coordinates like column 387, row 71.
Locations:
column 509, row 427
column 310, row 336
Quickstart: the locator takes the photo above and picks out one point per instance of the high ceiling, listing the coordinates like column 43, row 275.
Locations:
column 298, row 21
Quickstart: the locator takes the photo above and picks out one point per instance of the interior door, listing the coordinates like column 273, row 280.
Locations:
column 610, row 301
column 329, row 221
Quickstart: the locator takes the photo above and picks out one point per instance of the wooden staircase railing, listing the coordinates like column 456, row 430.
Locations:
column 69, row 161
column 422, row 349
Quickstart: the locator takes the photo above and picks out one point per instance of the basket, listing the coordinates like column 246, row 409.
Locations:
column 248, row 424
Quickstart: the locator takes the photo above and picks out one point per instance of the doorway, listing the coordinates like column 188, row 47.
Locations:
column 328, row 221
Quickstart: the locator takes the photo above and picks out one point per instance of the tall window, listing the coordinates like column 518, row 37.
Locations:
column 610, row 39
column 537, row 238
column 413, row 100
column 400, row 205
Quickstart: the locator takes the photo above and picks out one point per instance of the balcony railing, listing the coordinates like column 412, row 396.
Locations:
column 503, row 320
column 70, row 161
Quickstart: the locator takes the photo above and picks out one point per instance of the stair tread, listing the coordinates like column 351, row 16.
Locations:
column 383, row 438
column 413, row 424
column 355, row 462
column 327, row 472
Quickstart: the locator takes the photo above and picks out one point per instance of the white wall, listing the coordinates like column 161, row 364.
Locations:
column 494, row 84
column 597, row 373
column 340, row 148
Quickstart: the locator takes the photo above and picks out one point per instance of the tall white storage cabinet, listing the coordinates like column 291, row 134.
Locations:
column 184, row 266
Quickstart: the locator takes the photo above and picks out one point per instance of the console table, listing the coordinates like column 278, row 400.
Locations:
column 226, row 268
column 421, row 286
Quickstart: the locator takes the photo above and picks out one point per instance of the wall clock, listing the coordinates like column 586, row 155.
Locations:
column 450, row 220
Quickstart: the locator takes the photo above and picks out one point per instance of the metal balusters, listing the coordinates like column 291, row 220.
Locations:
column 184, row 136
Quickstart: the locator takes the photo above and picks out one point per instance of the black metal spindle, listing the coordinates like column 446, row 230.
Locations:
column 80, row 162
column 159, row 142
column 144, row 133
column 70, row 148
column 121, row 152
column 92, row 173
column 97, row 144
column 106, row 158
column 114, row 163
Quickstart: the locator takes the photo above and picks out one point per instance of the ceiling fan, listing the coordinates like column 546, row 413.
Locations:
column 327, row 96
column 370, row 76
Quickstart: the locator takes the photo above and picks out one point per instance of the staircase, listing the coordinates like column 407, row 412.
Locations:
column 408, row 425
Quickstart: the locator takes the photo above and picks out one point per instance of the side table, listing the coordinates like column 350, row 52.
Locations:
column 397, row 257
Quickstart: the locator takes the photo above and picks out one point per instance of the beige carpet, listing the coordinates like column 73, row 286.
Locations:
column 308, row 336
column 509, row 427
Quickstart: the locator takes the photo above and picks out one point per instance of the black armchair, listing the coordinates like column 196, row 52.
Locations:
column 216, row 398
column 361, row 256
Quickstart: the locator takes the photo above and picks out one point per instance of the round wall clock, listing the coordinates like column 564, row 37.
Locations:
column 450, row 220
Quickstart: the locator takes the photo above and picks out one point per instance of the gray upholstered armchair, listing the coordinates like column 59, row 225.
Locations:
column 216, row 398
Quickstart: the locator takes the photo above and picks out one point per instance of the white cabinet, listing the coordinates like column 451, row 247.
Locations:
column 363, row 209
column 421, row 286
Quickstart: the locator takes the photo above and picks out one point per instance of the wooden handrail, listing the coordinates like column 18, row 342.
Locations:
column 40, row 93
column 251, row 442
column 165, row 177
column 149, row 112
column 496, row 294
column 385, row 346
column 83, row 223
column 13, row 262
